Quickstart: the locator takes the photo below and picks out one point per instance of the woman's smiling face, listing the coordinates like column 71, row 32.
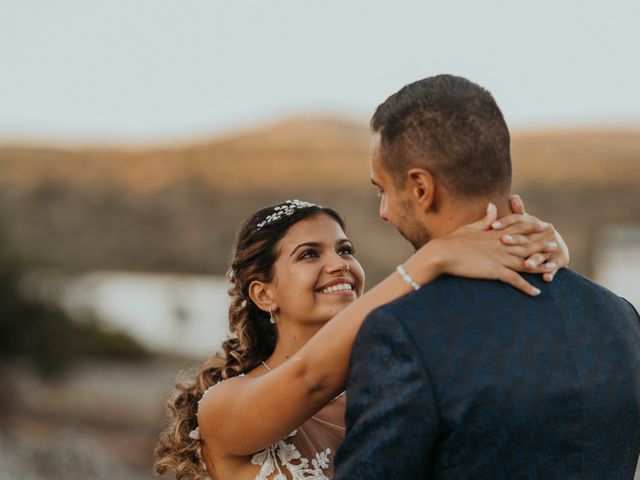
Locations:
column 316, row 274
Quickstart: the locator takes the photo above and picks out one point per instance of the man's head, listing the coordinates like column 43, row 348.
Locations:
column 439, row 153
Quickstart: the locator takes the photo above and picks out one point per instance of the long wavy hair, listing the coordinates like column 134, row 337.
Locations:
column 252, row 340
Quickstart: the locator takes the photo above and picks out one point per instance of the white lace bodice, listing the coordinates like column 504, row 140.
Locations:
column 305, row 454
column 284, row 456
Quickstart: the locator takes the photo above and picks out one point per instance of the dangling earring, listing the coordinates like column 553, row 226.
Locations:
column 272, row 319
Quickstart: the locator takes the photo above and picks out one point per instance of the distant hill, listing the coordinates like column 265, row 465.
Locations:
column 577, row 157
column 176, row 208
column 308, row 152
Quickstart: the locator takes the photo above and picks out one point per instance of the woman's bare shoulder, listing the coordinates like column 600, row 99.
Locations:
column 219, row 392
column 226, row 393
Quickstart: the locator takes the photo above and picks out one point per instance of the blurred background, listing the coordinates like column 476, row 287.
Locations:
column 135, row 137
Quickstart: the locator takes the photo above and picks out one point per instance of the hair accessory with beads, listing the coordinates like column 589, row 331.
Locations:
column 285, row 209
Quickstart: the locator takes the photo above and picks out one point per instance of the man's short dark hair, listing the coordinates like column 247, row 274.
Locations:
column 451, row 127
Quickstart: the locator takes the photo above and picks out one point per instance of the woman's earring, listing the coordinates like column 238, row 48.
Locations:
column 272, row 319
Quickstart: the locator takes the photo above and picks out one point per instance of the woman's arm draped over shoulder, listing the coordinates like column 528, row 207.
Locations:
column 247, row 414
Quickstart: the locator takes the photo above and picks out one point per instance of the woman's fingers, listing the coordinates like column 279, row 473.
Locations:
column 558, row 258
column 547, row 269
column 518, row 264
column 524, row 239
column 561, row 256
column 485, row 222
column 555, row 262
column 474, row 251
column 550, row 237
column 529, row 249
column 544, row 267
column 514, row 218
column 509, row 220
column 535, row 260
column 514, row 279
column 517, row 239
column 490, row 217
column 517, row 205
column 527, row 228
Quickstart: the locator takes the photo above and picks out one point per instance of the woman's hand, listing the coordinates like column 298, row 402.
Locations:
column 531, row 245
column 495, row 249
column 475, row 251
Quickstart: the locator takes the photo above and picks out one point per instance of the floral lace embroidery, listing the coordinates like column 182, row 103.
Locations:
column 291, row 460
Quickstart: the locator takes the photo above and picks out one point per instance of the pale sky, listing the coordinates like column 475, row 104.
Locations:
column 140, row 70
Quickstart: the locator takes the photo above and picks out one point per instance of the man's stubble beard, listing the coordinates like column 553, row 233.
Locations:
column 418, row 238
column 414, row 232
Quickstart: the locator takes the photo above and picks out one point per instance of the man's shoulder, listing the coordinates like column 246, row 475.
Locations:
column 443, row 290
column 452, row 292
column 571, row 281
column 443, row 293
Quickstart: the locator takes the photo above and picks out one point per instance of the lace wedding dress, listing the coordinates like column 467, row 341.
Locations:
column 307, row 453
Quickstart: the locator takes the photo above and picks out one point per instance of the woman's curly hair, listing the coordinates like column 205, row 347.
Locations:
column 253, row 337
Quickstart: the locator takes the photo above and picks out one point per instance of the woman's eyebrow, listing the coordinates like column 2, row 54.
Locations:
column 317, row 245
column 306, row 244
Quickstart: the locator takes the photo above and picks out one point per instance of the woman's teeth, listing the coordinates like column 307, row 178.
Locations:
column 337, row 288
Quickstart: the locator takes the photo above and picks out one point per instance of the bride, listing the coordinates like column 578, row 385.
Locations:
column 270, row 405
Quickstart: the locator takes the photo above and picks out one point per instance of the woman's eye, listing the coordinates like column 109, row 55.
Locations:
column 347, row 250
column 311, row 253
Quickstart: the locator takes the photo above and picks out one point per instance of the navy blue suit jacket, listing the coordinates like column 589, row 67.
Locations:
column 472, row 379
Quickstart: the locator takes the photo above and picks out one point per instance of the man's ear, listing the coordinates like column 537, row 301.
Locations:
column 421, row 187
column 260, row 294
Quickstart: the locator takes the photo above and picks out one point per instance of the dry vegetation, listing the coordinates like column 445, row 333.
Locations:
column 176, row 208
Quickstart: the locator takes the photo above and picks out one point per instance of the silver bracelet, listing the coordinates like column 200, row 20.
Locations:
column 407, row 278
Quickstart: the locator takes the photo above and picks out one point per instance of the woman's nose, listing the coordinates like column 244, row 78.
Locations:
column 337, row 265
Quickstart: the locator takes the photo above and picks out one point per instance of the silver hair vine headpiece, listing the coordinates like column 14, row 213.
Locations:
column 285, row 209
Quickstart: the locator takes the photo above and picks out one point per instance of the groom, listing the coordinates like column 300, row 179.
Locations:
column 472, row 379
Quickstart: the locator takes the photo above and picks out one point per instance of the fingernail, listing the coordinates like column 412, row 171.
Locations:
column 508, row 238
column 496, row 224
column 535, row 291
column 489, row 208
column 531, row 263
column 550, row 265
column 552, row 245
column 543, row 225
